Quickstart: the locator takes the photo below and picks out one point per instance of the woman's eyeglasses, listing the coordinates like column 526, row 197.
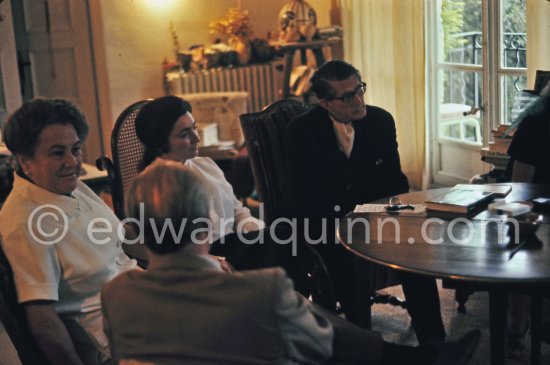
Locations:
column 349, row 97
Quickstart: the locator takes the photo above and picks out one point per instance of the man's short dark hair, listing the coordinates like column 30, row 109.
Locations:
column 336, row 70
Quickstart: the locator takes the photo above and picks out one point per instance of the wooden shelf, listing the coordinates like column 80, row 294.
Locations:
column 289, row 50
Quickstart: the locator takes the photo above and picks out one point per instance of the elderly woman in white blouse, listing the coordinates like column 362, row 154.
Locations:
column 47, row 225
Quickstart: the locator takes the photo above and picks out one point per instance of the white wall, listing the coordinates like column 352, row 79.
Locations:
column 137, row 39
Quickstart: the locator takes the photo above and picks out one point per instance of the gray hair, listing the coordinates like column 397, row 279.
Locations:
column 168, row 192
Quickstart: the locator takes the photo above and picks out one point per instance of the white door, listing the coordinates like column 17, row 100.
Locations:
column 477, row 64
column 10, row 96
column 53, row 42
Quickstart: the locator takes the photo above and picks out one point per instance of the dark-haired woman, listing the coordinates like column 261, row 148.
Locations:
column 167, row 129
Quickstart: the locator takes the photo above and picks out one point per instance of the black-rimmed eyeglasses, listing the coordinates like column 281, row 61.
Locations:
column 349, row 97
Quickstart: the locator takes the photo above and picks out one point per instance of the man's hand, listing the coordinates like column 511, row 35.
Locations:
column 224, row 264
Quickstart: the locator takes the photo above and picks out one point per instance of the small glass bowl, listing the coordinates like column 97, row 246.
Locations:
column 527, row 223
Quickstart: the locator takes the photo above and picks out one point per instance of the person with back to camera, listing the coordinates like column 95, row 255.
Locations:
column 58, row 277
column 530, row 159
column 193, row 312
column 343, row 152
column 530, row 146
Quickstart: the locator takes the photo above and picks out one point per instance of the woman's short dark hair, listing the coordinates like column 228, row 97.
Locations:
column 335, row 70
column 154, row 123
column 24, row 126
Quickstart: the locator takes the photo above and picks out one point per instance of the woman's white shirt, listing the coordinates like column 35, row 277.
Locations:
column 63, row 249
column 72, row 270
column 228, row 213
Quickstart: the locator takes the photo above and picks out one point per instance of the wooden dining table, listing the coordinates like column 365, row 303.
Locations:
column 479, row 250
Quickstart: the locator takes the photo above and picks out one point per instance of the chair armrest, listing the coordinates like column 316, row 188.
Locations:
column 104, row 163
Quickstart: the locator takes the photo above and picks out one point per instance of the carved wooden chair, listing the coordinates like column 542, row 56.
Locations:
column 264, row 136
column 265, row 139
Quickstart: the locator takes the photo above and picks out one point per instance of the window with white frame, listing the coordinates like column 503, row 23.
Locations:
column 477, row 66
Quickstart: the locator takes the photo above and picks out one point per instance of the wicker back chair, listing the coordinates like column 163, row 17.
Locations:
column 127, row 152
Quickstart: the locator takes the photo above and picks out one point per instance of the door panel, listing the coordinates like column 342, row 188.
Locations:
column 10, row 96
column 64, row 84
column 459, row 87
column 55, row 40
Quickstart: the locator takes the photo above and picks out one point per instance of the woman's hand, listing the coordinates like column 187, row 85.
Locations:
column 50, row 333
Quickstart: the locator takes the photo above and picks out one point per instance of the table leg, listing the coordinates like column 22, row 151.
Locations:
column 498, row 305
column 362, row 294
column 536, row 319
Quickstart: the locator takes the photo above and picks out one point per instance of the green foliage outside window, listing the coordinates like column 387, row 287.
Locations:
column 452, row 19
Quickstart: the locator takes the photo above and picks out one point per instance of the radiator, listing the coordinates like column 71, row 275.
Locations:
column 263, row 82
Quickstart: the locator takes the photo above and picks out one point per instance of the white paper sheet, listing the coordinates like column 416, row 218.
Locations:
column 381, row 208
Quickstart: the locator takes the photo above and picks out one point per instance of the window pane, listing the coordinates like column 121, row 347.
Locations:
column 461, row 87
column 514, row 34
column 461, row 27
column 514, row 100
column 461, row 91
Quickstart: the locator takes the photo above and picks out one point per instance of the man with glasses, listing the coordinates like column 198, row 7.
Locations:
column 341, row 153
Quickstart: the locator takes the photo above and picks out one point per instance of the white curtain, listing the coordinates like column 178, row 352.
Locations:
column 538, row 38
column 384, row 39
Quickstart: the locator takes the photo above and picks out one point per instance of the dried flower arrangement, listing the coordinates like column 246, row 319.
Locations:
column 175, row 41
column 235, row 23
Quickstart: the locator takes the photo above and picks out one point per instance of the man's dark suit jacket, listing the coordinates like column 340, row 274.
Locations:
column 321, row 176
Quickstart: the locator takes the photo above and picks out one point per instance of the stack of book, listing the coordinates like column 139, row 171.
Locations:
column 496, row 152
column 501, row 142
column 466, row 199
